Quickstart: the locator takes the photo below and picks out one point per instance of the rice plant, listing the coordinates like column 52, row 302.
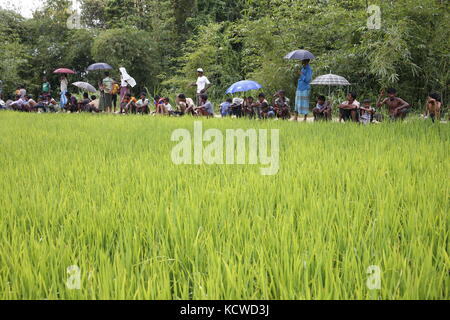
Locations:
column 102, row 194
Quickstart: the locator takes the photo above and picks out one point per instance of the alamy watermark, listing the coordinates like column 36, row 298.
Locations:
column 374, row 280
column 74, row 278
column 234, row 146
column 374, row 20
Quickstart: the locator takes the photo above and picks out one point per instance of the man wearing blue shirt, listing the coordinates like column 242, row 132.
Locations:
column 303, row 91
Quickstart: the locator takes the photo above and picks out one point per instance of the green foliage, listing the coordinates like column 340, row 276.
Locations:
column 129, row 48
column 165, row 41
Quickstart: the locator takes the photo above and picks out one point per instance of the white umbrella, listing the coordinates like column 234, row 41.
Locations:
column 331, row 80
column 85, row 86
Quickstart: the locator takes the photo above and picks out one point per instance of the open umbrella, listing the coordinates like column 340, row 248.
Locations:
column 330, row 80
column 242, row 86
column 300, row 55
column 64, row 71
column 99, row 66
column 85, row 86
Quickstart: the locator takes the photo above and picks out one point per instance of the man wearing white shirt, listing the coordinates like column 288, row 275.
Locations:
column 143, row 104
column 349, row 109
column 202, row 84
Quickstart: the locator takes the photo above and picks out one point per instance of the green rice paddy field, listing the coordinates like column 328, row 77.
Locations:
column 101, row 193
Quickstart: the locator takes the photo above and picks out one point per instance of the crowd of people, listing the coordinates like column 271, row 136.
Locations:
column 116, row 97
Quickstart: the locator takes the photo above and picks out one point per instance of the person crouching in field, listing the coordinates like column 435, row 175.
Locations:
column 225, row 107
column 265, row 110
column 247, row 107
column 281, row 105
column 128, row 103
column 19, row 104
column 159, row 105
column 322, row 109
column 348, row 110
column 433, row 107
column 142, row 105
column 72, row 103
column 398, row 108
column 82, row 105
column 93, row 106
column 31, row 103
column 48, row 104
column 183, row 104
column 167, row 107
column 367, row 112
column 206, row 108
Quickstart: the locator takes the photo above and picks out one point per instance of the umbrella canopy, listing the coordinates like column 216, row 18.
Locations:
column 331, row 80
column 64, row 70
column 85, row 86
column 243, row 86
column 99, row 66
column 300, row 55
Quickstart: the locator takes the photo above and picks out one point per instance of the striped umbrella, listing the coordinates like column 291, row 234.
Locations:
column 330, row 80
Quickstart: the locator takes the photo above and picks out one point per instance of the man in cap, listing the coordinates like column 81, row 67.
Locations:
column 202, row 84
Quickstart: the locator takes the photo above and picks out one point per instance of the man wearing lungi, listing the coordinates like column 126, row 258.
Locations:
column 303, row 91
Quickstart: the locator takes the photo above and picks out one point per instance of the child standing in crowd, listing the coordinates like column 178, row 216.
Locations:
column 115, row 91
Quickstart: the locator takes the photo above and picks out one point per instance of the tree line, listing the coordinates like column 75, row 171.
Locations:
column 163, row 42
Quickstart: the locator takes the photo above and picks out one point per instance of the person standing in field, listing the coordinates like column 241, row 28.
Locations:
column 101, row 101
column 303, row 91
column 64, row 83
column 123, row 88
column 202, row 84
column 115, row 91
column 398, row 108
column 46, row 87
column 107, row 88
column 22, row 92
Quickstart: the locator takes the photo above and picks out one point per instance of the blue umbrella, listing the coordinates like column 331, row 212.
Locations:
column 99, row 66
column 300, row 55
column 243, row 86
